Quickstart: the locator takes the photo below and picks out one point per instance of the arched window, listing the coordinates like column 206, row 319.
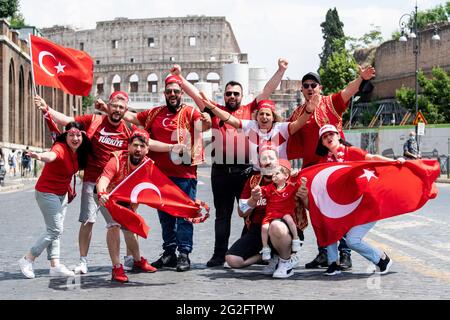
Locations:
column 100, row 86
column 134, row 83
column 12, row 102
column 214, row 78
column 22, row 119
column 116, row 83
column 152, row 83
column 192, row 77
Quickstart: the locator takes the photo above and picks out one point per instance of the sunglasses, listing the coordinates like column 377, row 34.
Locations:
column 175, row 91
column 307, row 85
column 229, row 93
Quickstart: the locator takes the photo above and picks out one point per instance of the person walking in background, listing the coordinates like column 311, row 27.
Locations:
column 410, row 148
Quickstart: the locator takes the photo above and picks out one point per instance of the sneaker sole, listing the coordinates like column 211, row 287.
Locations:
column 333, row 274
column 291, row 273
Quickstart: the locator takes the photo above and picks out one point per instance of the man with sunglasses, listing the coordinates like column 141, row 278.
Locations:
column 230, row 155
column 179, row 123
column 329, row 111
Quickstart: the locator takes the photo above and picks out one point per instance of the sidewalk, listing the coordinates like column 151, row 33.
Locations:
column 443, row 179
column 16, row 183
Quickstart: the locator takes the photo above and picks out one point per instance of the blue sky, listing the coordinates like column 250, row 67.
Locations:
column 265, row 29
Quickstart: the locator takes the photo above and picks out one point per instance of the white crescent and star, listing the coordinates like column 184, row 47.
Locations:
column 164, row 122
column 142, row 186
column 326, row 205
column 59, row 68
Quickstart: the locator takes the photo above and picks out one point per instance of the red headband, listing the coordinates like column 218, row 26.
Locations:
column 173, row 79
column 74, row 130
column 269, row 104
column 140, row 133
column 117, row 93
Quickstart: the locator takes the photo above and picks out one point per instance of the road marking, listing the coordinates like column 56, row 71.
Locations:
column 412, row 263
column 430, row 219
column 410, row 245
column 396, row 225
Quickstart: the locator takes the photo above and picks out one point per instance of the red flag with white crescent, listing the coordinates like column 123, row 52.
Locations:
column 148, row 185
column 348, row 194
column 59, row 67
column 129, row 219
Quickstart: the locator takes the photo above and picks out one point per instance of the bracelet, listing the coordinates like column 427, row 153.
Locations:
column 229, row 116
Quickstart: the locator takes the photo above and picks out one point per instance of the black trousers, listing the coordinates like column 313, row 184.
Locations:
column 227, row 182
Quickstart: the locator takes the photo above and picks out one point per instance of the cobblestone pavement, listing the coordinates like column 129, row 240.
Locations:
column 419, row 244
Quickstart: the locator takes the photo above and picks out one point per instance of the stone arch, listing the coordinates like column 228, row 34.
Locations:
column 192, row 77
column 99, row 86
column 214, row 78
column 12, row 101
column 22, row 118
column 152, row 83
column 115, row 83
column 133, row 83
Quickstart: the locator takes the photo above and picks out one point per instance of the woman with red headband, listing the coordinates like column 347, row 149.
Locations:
column 268, row 127
column 67, row 155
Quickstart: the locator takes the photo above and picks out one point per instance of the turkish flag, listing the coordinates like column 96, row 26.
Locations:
column 348, row 194
column 148, row 185
column 65, row 68
column 127, row 218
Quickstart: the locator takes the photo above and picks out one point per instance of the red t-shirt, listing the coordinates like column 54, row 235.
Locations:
column 57, row 175
column 309, row 133
column 345, row 153
column 279, row 202
column 164, row 129
column 259, row 211
column 238, row 140
column 106, row 139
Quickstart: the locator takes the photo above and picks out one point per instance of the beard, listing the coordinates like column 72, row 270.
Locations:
column 173, row 107
column 233, row 106
column 115, row 119
column 135, row 160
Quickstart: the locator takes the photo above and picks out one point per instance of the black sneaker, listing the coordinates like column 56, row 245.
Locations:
column 384, row 265
column 333, row 269
column 215, row 261
column 345, row 261
column 183, row 262
column 167, row 260
column 319, row 262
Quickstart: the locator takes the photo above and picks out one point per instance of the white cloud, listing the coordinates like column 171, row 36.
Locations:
column 265, row 29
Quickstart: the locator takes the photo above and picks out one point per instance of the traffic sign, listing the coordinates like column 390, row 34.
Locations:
column 419, row 118
column 421, row 129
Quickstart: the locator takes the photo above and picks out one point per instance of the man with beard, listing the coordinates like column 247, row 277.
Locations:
column 121, row 165
column 175, row 122
column 108, row 133
column 231, row 166
column 302, row 145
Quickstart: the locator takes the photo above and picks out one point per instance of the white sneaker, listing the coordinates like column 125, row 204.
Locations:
column 61, row 271
column 128, row 263
column 270, row 268
column 265, row 253
column 81, row 268
column 295, row 260
column 284, row 269
column 26, row 267
column 296, row 245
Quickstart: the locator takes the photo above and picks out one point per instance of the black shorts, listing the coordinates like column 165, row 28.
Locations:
column 250, row 243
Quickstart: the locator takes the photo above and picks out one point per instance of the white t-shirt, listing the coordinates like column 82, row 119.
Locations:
column 278, row 136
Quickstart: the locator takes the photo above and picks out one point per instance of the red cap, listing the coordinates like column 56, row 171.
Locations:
column 269, row 104
column 173, row 79
column 118, row 93
column 285, row 163
column 140, row 133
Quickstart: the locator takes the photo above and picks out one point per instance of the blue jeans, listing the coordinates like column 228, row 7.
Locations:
column 178, row 233
column 354, row 241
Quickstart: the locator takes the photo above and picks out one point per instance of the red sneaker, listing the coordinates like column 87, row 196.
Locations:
column 118, row 274
column 143, row 266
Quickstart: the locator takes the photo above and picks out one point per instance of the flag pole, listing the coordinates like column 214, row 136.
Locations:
column 32, row 66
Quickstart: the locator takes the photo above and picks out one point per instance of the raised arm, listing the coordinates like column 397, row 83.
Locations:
column 246, row 206
column 274, row 82
column 377, row 157
column 352, row 88
column 58, row 117
column 188, row 87
column 309, row 109
column 221, row 114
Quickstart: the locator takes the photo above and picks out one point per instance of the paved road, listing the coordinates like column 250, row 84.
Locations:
column 419, row 243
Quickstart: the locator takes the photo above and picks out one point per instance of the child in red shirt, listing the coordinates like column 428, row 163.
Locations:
column 280, row 197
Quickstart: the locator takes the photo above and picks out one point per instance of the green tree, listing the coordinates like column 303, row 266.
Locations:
column 332, row 29
column 87, row 102
column 17, row 21
column 8, row 8
column 339, row 70
column 434, row 101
